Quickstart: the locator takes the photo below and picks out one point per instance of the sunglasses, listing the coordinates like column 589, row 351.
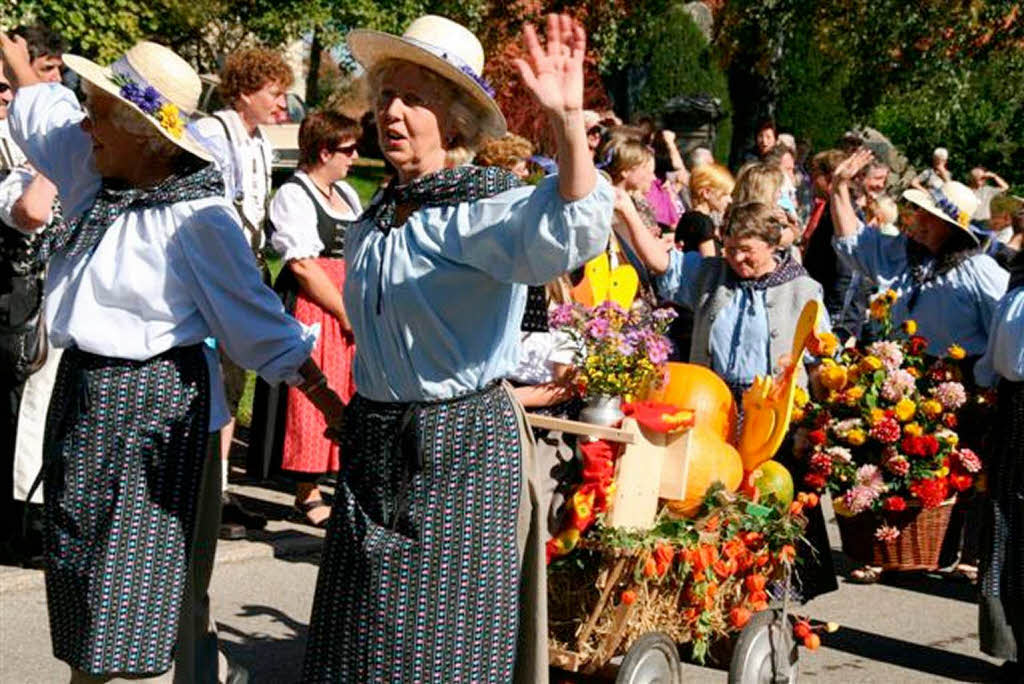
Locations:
column 347, row 150
column 4, row 87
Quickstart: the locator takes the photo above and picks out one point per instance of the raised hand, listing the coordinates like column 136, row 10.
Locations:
column 553, row 73
column 851, row 166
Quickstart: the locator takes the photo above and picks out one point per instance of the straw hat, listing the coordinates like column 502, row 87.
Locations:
column 154, row 81
column 954, row 203
column 442, row 46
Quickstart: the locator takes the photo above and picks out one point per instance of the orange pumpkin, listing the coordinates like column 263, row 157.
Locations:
column 697, row 388
column 710, row 459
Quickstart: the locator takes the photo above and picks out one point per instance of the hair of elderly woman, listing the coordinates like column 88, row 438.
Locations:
column 505, row 151
column 758, row 182
column 754, row 220
column 711, row 177
column 626, row 154
column 246, row 71
column 324, row 129
column 462, row 116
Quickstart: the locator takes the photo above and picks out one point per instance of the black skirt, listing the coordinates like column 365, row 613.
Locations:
column 123, row 460
column 1002, row 536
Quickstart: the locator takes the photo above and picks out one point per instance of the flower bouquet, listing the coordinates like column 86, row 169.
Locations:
column 880, row 435
column 619, row 352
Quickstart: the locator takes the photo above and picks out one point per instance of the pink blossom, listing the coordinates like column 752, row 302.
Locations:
column 821, row 462
column 886, row 431
column 889, row 353
column 598, row 328
column 839, row 454
column 561, row 316
column 898, row 465
column 887, row 533
column 968, row 460
column 951, row 395
column 897, row 385
column 859, row 499
column 869, row 476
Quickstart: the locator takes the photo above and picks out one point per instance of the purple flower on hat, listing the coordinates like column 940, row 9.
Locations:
column 480, row 80
column 148, row 99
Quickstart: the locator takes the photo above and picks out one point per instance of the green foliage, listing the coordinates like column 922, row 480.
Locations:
column 681, row 62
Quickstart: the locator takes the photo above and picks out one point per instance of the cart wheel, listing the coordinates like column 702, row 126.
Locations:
column 652, row 659
column 765, row 652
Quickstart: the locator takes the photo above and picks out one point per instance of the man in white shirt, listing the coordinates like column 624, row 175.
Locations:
column 985, row 192
column 253, row 83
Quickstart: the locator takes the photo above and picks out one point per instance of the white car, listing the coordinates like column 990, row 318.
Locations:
column 283, row 137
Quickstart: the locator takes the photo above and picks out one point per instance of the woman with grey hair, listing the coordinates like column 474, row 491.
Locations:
column 149, row 263
column 434, row 533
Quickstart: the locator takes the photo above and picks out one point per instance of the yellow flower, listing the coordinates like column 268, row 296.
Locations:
column 856, row 437
column 879, row 310
column 910, row 326
column 800, row 397
column 870, row 363
column 891, row 296
column 854, row 393
column 798, row 414
column 170, row 119
column 905, row 409
column 875, row 416
column 942, row 472
column 833, row 376
column 915, row 373
column 931, row 408
column 913, row 430
column 956, row 352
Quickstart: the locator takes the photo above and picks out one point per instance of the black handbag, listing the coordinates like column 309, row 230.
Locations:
column 23, row 345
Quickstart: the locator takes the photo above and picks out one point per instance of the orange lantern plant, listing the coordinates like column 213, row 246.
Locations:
column 700, row 390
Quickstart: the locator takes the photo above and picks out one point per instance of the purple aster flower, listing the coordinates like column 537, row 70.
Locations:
column 151, row 100
column 561, row 316
column 664, row 314
column 657, row 350
column 598, row 328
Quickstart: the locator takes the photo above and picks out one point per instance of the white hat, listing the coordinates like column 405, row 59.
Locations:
column 954, row 202
column 442, row 46
column 154, row 81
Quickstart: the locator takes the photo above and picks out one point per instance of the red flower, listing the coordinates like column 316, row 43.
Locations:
column 961, row 481
column 817, row 437
column 917, row 345
column 886, row 430
column 949, row 420
column 930, row 445
column 814, row 480
column 931, row 492
column 895, row 503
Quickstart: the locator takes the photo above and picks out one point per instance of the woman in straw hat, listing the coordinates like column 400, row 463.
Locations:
column 943, row 280
column 430, row 555
column 150, row 262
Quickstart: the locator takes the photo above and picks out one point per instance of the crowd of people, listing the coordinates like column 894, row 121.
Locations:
column 400, row 342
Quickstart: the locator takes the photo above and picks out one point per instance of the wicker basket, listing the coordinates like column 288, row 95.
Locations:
column 917, row 548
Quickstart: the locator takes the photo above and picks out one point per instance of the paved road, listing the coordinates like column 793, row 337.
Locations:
column 917, row 629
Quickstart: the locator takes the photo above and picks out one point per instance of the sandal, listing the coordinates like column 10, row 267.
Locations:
column 866, row 574
column 305, row 508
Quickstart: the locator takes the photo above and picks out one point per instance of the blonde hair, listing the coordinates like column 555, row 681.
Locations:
column 627, row 154
column 883, row 209
column 710, row 177
column 758, row 183
column 462, row 115
column 504, row 151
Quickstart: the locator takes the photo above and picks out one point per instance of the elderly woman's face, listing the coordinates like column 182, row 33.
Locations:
column 749, row 257
column 116, row 152
column 929, row 230
column 411, row 109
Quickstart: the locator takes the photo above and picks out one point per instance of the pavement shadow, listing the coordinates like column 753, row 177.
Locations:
column 956, row 589
column 927, row 658
column 268, row 659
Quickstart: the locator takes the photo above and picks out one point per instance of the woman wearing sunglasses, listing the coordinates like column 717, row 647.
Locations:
column 309, row 215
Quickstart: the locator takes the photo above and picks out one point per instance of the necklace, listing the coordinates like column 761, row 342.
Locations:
column 326, row 193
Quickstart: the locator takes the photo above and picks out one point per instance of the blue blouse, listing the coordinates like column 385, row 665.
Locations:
column 955, row 307
column 436, row 304
column 1005, row 354
column 740, row 336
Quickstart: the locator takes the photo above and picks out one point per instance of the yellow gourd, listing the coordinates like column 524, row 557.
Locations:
column 700, row 390
column 710, row 459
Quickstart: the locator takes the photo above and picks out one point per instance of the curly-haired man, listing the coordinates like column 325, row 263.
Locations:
column 253, row 83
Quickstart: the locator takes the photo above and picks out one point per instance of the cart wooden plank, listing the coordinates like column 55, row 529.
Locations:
column 576, row 427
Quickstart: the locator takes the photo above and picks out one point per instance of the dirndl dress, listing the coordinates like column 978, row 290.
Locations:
column 420, row 576
column 1002, row 537
column 123, row 461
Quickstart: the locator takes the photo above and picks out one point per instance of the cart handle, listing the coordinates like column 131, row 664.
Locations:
column 575, row 427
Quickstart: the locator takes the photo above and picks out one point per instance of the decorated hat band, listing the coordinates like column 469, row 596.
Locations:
column 943, row 203
column 455, row 61
column 140, row 93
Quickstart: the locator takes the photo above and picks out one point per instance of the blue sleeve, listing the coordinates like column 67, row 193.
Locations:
column 990, row 282
column 245, row 316
column 877, row 256
column 1005, row 354
column 678, row 283
column 529, row 235
column 46, row 123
